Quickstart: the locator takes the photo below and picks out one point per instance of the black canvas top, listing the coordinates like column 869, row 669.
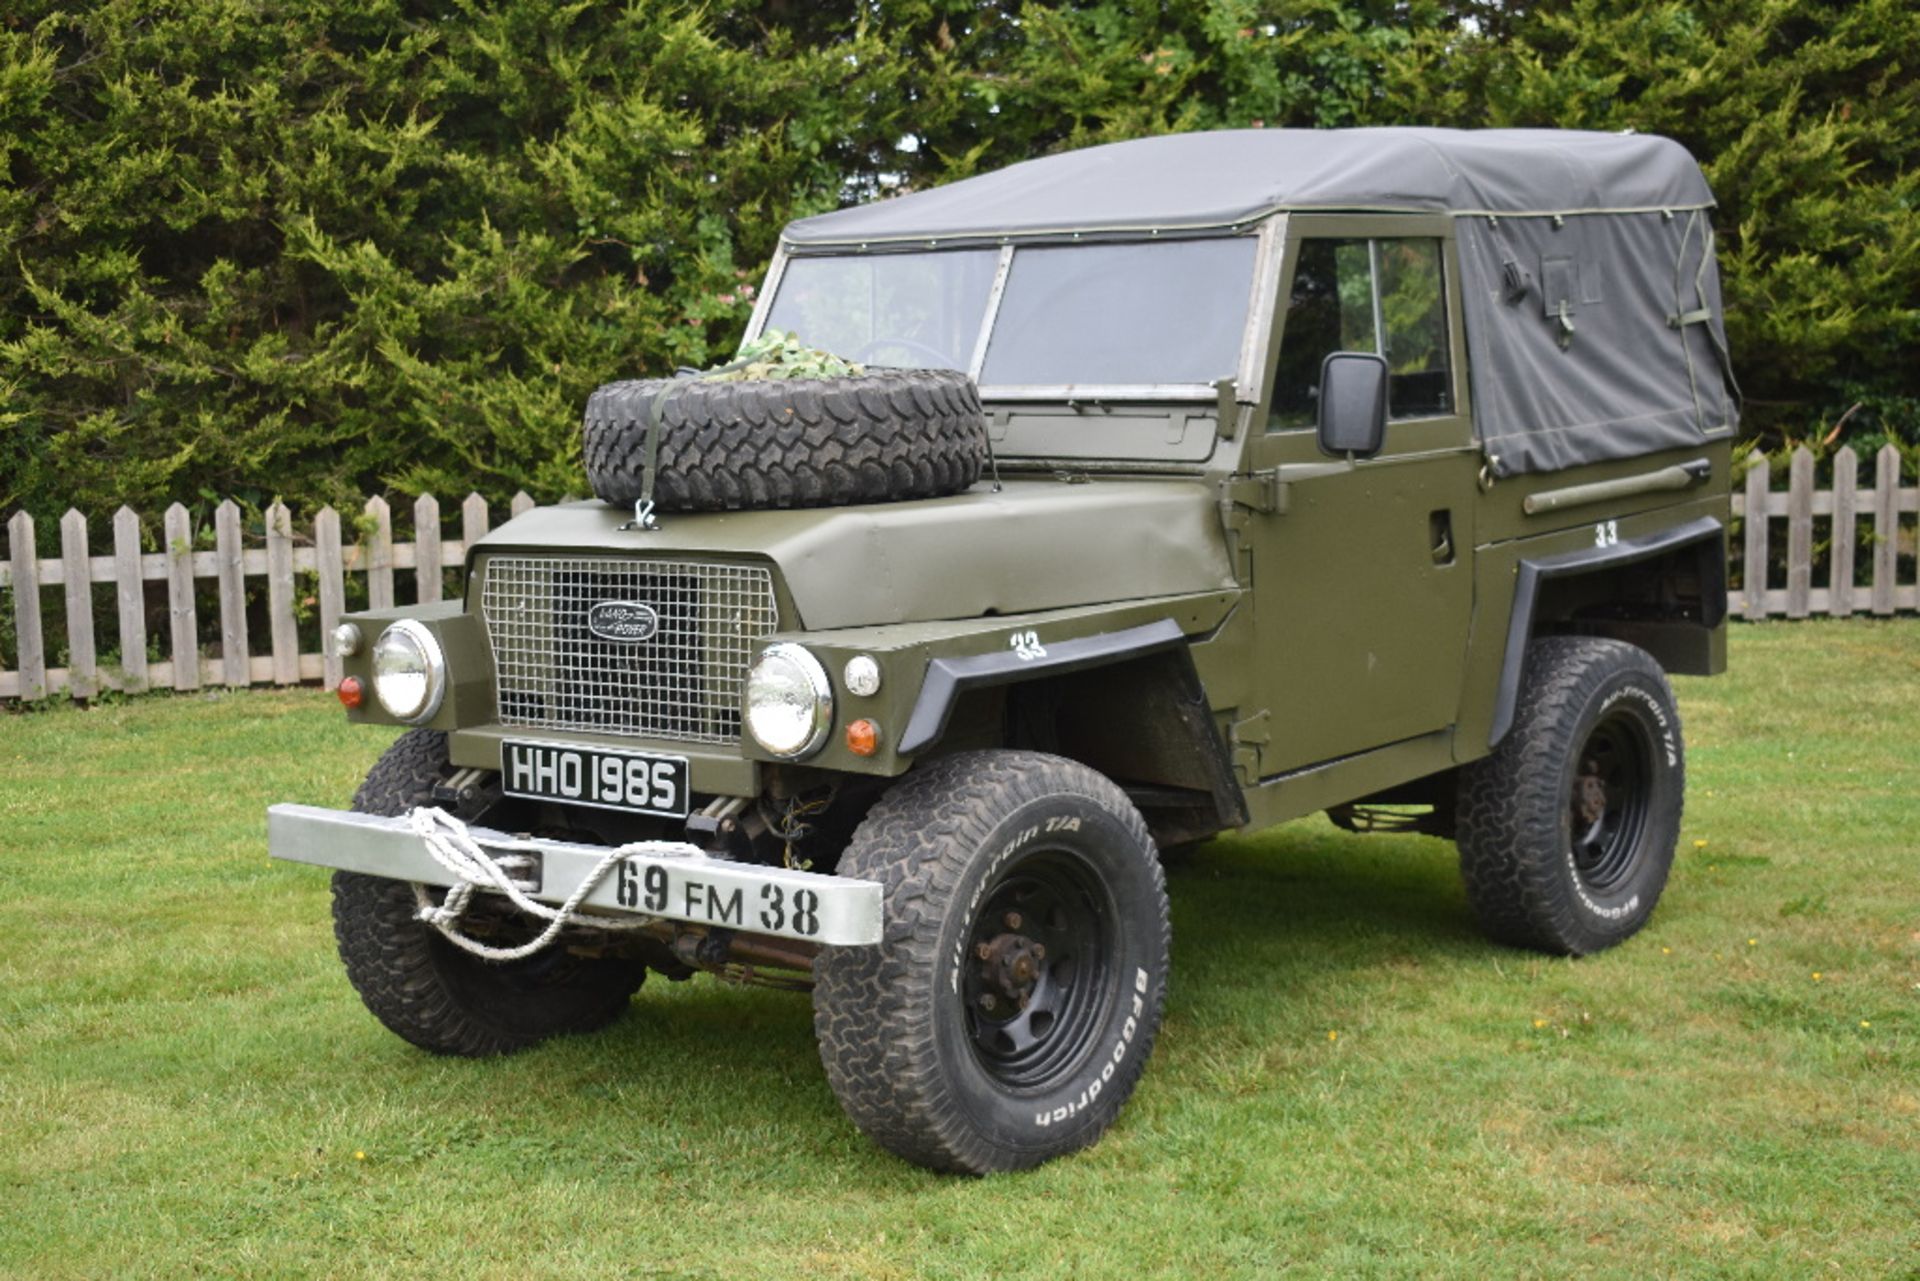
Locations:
column 1197, row 181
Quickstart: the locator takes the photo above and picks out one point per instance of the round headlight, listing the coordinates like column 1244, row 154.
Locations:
column 789, row 702
column 409, row 671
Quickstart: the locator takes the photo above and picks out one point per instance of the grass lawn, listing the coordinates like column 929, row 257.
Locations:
column 1349, row 1081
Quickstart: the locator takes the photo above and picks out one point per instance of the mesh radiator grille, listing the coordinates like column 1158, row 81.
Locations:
column 683, row 682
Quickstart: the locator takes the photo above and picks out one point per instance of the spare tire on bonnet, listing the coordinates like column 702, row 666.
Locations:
column 787, row 442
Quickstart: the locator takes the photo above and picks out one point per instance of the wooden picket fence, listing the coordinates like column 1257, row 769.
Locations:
column 1844, row 505
column 320, row 550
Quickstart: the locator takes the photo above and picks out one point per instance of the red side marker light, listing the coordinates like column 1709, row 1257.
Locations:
column 350, row 692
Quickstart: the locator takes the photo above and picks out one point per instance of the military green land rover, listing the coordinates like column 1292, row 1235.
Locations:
column 1185, row 486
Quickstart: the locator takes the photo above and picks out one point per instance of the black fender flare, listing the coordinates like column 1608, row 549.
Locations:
column 948, row 678
column 1530, row 574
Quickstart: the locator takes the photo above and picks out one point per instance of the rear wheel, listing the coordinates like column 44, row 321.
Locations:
column 424, row 988
column 1567, row 831
column 1011, row 1006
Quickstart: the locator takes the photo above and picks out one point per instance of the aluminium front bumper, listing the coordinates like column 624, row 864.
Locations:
column 670, row 881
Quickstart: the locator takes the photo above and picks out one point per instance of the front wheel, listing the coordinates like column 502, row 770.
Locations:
column 1567, row 831
column 1011, row 1006
column 424, row 988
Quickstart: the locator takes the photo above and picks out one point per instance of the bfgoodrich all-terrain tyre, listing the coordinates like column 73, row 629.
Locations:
column 429, row 991
column 1012, row 1004
column 1567, row 831
column 787, row 442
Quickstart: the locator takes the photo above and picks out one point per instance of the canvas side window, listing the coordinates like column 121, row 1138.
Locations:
column 1336, row 307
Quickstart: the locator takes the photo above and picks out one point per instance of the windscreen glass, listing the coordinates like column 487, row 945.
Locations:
column 921, row 311
column 1162, row 312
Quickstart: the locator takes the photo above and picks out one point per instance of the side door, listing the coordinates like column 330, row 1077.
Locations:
column 1362, row 575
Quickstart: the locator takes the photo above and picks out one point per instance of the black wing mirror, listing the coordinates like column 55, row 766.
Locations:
column 1353, row 404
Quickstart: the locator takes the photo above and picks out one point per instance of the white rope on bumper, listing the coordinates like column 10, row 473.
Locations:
column 473, row 868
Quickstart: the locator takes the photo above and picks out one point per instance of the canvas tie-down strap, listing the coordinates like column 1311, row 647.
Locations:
column 643, row 517
column 1681, row 317
column 1714, row 340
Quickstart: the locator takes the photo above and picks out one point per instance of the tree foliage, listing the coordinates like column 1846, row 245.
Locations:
column 327, row 248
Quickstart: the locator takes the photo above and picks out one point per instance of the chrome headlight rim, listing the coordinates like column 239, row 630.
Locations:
column 821, row 722
column 433, row 660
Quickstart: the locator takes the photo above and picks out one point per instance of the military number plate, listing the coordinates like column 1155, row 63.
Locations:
column 633, row 782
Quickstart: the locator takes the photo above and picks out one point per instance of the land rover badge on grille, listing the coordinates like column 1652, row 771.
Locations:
column 623, row 620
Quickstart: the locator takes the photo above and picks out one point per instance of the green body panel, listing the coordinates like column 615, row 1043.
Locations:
column 1362, row 628
column 1503, row 515
column 1495, row 570
column 469, row 697
column 1124, row 435
column 1040, row 544
column 1310, row 790
column 904, row 650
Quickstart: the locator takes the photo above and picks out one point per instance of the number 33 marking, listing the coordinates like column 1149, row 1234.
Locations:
column 1027, row 646
column 1606, row 533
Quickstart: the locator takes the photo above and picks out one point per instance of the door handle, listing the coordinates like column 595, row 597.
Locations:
column 1440, row 536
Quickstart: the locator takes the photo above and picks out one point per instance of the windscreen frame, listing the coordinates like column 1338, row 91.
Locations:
column 1245, row 379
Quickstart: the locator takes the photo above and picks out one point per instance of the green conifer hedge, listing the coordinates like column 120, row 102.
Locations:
column 321, row 249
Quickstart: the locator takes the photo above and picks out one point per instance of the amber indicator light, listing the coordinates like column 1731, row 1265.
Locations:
column 350, row 692
column 863, row 738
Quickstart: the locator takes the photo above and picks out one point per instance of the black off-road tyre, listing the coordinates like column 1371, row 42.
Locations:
column 1567, row 831
column 990, row 859
column 788, row 442
column 424, row 988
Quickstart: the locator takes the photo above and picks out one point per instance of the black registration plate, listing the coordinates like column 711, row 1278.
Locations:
column 633, row 782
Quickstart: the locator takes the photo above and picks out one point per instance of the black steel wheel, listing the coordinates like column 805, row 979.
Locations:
column 1041, row 946
column 1608, row 803
column 1012, row 1004
column 1567, row 832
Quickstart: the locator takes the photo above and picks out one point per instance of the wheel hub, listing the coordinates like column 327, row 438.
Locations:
column 1010, row 965
column 1590, row 793
column 1608, row 803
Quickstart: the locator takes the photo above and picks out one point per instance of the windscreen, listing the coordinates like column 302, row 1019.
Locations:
column 921, row 311
column 1160, row 312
